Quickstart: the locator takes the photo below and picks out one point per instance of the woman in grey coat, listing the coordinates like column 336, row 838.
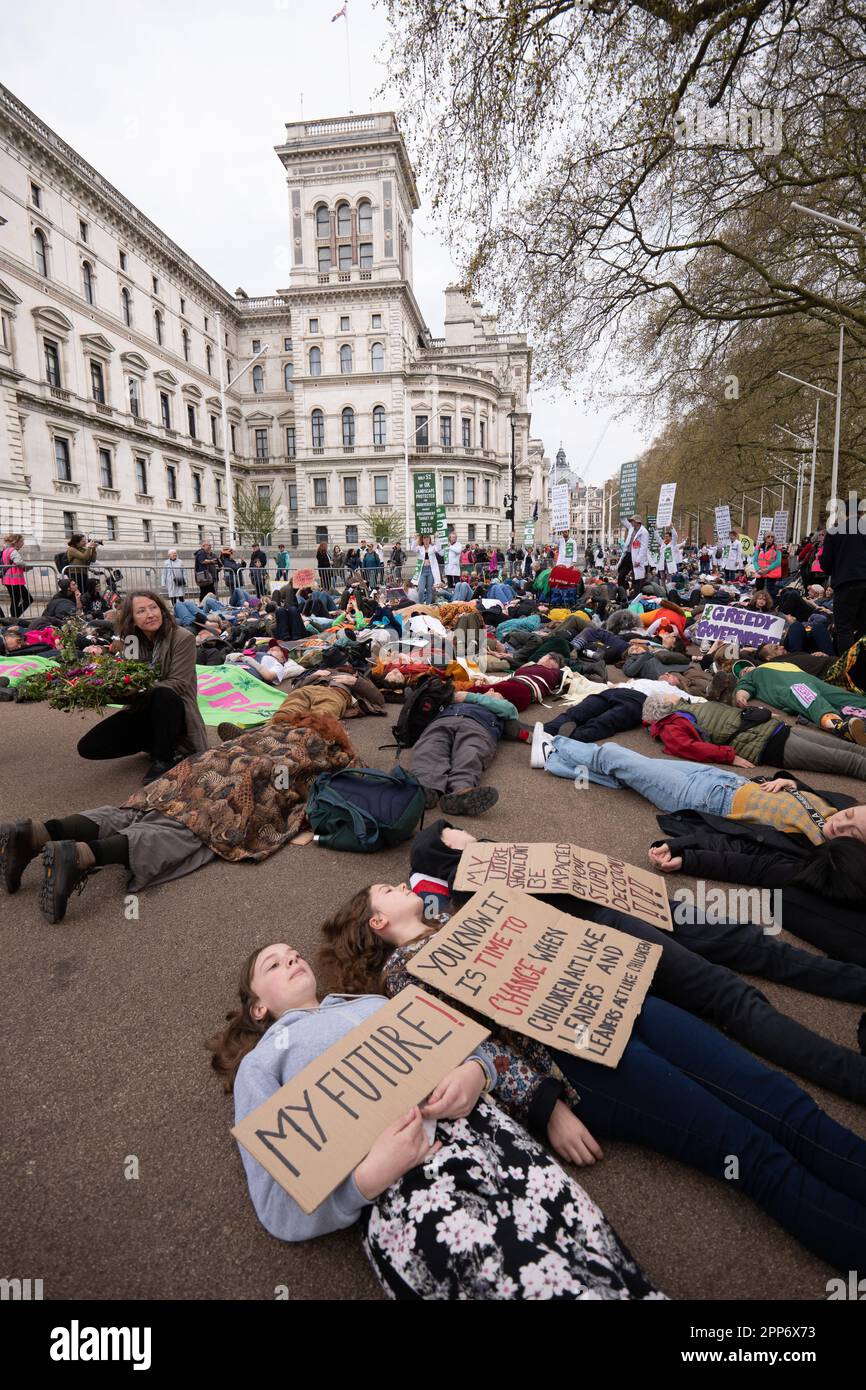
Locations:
column 174, row 577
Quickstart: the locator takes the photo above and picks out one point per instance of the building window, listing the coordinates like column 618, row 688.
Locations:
column 350, row 492
column 377, row 358
column 288, row 373
column 421, row 434
column 261, row 444
column 321, row 534
column 348, row 427
column 317, row 421
column 365, row 253
column 134, row 397
column 200, row 531
column 482, row 432
column 155, row 283
column 470, row 531
column 197, row 489
column 344, row 323
column 208, row 355
column 165, row 409
column 106, row 471
column 287, row 345
column 487, row 532
column 83, row 229
column 232, row 432
column 351, row 535
column 294, row 537
column 70, row 525
column 185, row 340
column 379, row 427
column 40, row 251
column 380, row 490
column 323, row 221
column 344, row 257
column 157, row 326
column 213, row 430
column 377, row 321
column 314, row 325
column 87, row 280
column 228, row 370
column 111, row 528
column 320, row 492
column 141, row 476
column 448, row 495
column 126, row 306
column 97, row 382
column 206, row 321
column 190, row 421
column 323, row 257
column 293, row 497
column 264, row 492
column 487, row 492
column 257, row 345
column 466, row 425
column 445, row 431
column 63, row 460
column 121, row 258
column 470, row 492
column 36, row 195
column 218, row 484
column 171, row 482
column 291, row 447
column 345, row 359
column 147, row 531
column 175, row 532
column 258, row 380
column 365, row 218
column 344, row 220
column 315, row 361
column 52, row 363
column 182, row 305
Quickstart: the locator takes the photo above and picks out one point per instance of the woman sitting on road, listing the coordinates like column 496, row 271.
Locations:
column 163, row 721
column 482, row 1213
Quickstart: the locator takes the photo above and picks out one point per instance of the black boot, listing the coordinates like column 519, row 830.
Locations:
column 16, row 851
column 62, row 875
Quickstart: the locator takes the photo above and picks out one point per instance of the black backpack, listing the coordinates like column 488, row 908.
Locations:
column 421, row 703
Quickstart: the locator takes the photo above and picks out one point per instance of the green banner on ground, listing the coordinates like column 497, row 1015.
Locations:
column 424, row 485
column 226, row 692
column 19, row 666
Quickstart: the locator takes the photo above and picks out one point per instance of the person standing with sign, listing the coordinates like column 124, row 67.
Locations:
column 769, row 564
column 733, row 556
column 428, row 576
column 429, row 1207
column 567, row 550
column 802, row 1168
column 639, row 553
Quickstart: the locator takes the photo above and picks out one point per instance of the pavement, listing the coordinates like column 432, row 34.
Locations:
column 118, row 1172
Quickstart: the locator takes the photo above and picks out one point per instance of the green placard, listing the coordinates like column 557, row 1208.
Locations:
column 424, row 486
column 441, row 526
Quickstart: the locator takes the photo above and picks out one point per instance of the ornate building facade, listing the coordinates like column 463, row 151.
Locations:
column 110, row 409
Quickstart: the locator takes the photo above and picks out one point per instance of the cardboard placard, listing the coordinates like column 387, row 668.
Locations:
column 305, row 579
column 780, row 527
column 312, row 1132
column 665, row 509
column 723, row 523
column 570, row 984
column 559, row 507
column 765, row 526
column 721, row 622
column 553, row 868
column 628, row 475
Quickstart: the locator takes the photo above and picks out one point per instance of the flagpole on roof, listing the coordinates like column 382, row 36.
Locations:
column 348, row 56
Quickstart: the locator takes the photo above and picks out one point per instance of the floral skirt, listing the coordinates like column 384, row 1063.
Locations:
column 492, row 1217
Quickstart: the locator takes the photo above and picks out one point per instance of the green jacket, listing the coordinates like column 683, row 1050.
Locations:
column 721, row 724
column 772, row 682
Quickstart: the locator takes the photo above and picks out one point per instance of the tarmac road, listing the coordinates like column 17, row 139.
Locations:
column 103, row 1058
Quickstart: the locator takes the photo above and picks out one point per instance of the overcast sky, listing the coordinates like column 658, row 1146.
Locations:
column 179, row 103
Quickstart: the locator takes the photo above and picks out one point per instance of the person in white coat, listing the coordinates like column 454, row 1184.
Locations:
column 567, row 551
column 174, row 577
column 452, row 560
column 671, row 553
column 639, row 549
column 429, row 576
column 733, row 560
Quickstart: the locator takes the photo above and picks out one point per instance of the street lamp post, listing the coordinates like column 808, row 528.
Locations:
column 224, row 387
column 512, row 420
column 819, row 391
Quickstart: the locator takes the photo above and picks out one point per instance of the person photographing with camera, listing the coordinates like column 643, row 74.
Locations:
column 80, row 553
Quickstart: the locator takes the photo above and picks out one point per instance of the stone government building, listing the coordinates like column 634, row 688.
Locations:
column 110, row 418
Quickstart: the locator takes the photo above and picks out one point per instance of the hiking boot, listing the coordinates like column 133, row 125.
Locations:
column 541, row 748
column 853, row 729
column 16, row 851
column 469, row 803
column 62, row 875
column 431, row 797
column 227, row 731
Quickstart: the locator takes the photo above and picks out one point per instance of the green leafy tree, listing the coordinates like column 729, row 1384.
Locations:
column 255, row 516
column 384, row 525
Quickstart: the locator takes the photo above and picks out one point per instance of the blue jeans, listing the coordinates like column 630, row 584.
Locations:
column 686, row 1091
column 425, row 585
column 211, row 604
column 668, row 785
column 185, row 611
column 815, row 638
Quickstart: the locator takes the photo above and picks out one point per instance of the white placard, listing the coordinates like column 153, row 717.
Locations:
column 723, row 523
column 780, row 526
column 665, row 509
column 765, row 526
column 559, row 507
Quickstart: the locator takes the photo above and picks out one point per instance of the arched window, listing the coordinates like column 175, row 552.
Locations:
column 288, row 373
column 345, row 359
column 208, row 352
column 185, row 337
column 87, row 280
column 157, row 326
column 315, row 361
column 377, row 357
column 40, row 251
column 323, row 221
column 258, row 380
column 365, row 218
column 344, row 220
column 348, row 427
column 379, row 436
column 126, row 306
column 317, row 421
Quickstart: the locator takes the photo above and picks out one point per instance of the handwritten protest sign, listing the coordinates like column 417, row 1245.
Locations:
column 723, row 523
column 582, row 873
column 751, row 629
column 578, row 986
column 559, row 507
column 227, row 690
column 312, row 1132
column 304, row 579
column 18, row 668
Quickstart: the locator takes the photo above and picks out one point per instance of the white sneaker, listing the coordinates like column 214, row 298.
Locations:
column 542, row 747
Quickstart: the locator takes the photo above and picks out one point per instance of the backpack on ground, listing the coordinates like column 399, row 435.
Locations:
column 363, row 809
column 421, row 703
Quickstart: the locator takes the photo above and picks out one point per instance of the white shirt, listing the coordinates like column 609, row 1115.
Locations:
column 648, row 687
column 280, row 670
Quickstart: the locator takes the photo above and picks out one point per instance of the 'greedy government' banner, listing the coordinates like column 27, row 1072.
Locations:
column 575, row 985
column 582, row 873
column 751, row 629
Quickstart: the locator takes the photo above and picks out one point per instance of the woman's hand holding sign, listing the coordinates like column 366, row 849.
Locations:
column 455, row 1096
column 403, row 1145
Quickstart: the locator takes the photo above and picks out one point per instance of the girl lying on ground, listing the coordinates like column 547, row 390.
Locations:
column 681, row 1088
column 482, row 1213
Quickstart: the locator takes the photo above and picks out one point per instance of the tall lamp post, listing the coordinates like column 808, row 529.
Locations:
column 512, row 420
column 819, row 391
